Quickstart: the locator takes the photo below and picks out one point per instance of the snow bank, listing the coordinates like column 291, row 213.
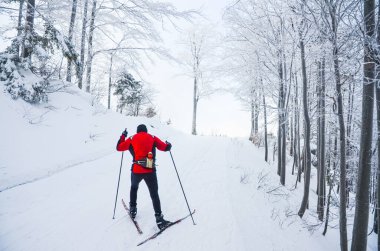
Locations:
column 40, row 140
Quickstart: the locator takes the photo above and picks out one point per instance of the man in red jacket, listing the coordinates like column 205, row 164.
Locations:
column 143, row 147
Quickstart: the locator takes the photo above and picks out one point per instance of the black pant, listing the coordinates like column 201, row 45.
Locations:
column 151, row 181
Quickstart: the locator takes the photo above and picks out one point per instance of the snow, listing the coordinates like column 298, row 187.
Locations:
column 58, row 178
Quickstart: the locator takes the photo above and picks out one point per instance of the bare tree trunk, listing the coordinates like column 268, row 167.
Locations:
column 257, row 113
column 351, row 89
column 71, row 31
column 378, row 149
column 302, row 164
column 195, row 52
column 307, row 155
column 295, row 135
column 89, row 49
column 321, row 146
column 323, row 130
column 349, row 147
column 318, row 92
column 342, row 184
column 291, row 130
column 265, row 129
column 330, row 181
column 359, row 234
column 281, row 122
column 342, row 132
column 284, row 119
column 377, row 88
column 378, row 159
column 331, row 185
column 16, row 42
column 283, row 155
column 373, row 189
column 83, row 44
column 110, row 83
column 29, row 26
column 335, row 163
column 279, row 145
column 297, row 144
column 137, row 112
column 195, row 103
column 251, row 137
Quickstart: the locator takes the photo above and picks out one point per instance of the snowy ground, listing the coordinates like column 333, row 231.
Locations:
column 59, row 171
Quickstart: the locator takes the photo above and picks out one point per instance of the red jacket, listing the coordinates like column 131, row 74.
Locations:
column 139, row 145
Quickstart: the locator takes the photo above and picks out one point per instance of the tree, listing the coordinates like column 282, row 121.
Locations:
column 36, row 48
column 150, row 112
column 196, row 48
column 70, row 38
column 127, row 29
column 83, row 44
column 321, row 191
column 359, row 234
column 15, row 47
column 377, row 213
column 265, row 128
column 331, row 17
column 28, row 33
column 195, row 52
column 200, row 48
column 265, row 38
column 334, row 19
column 90, row 46
column 130, row 93
column 307, row 155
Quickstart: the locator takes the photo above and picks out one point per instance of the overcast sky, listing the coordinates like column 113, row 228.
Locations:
column 219, row 114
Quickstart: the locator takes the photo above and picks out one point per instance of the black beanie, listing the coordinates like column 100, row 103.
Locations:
column 142, row 128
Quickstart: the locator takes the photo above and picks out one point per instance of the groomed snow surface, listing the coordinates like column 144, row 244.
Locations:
column 58, row 178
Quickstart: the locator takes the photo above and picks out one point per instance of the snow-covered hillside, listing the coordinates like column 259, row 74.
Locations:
column 59, row 171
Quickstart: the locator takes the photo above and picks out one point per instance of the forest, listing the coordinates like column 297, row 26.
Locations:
column 307, row 71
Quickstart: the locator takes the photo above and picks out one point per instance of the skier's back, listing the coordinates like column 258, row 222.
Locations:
column 143, row 147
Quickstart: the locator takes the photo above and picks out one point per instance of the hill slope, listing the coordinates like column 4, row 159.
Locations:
column 59, row 171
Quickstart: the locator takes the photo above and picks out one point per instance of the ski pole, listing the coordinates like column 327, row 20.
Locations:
column 182, row 187
column 118, row 182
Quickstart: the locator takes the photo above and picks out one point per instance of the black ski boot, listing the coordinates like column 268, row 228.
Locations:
column 161, row 222
column 132, row 210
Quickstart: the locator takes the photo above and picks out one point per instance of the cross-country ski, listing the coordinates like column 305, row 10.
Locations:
column 135, row 223
column 163, row 229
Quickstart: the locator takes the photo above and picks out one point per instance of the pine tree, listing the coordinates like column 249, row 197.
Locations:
column 130, row 93
column 150, row 112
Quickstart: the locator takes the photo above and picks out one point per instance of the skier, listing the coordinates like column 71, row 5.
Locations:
column 143, row 146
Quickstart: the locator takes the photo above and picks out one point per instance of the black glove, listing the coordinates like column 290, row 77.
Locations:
column 125, row 132
column 168, row 146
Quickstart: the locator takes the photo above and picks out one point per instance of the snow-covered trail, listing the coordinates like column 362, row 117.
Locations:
column 72, row 210
column 58, row 179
